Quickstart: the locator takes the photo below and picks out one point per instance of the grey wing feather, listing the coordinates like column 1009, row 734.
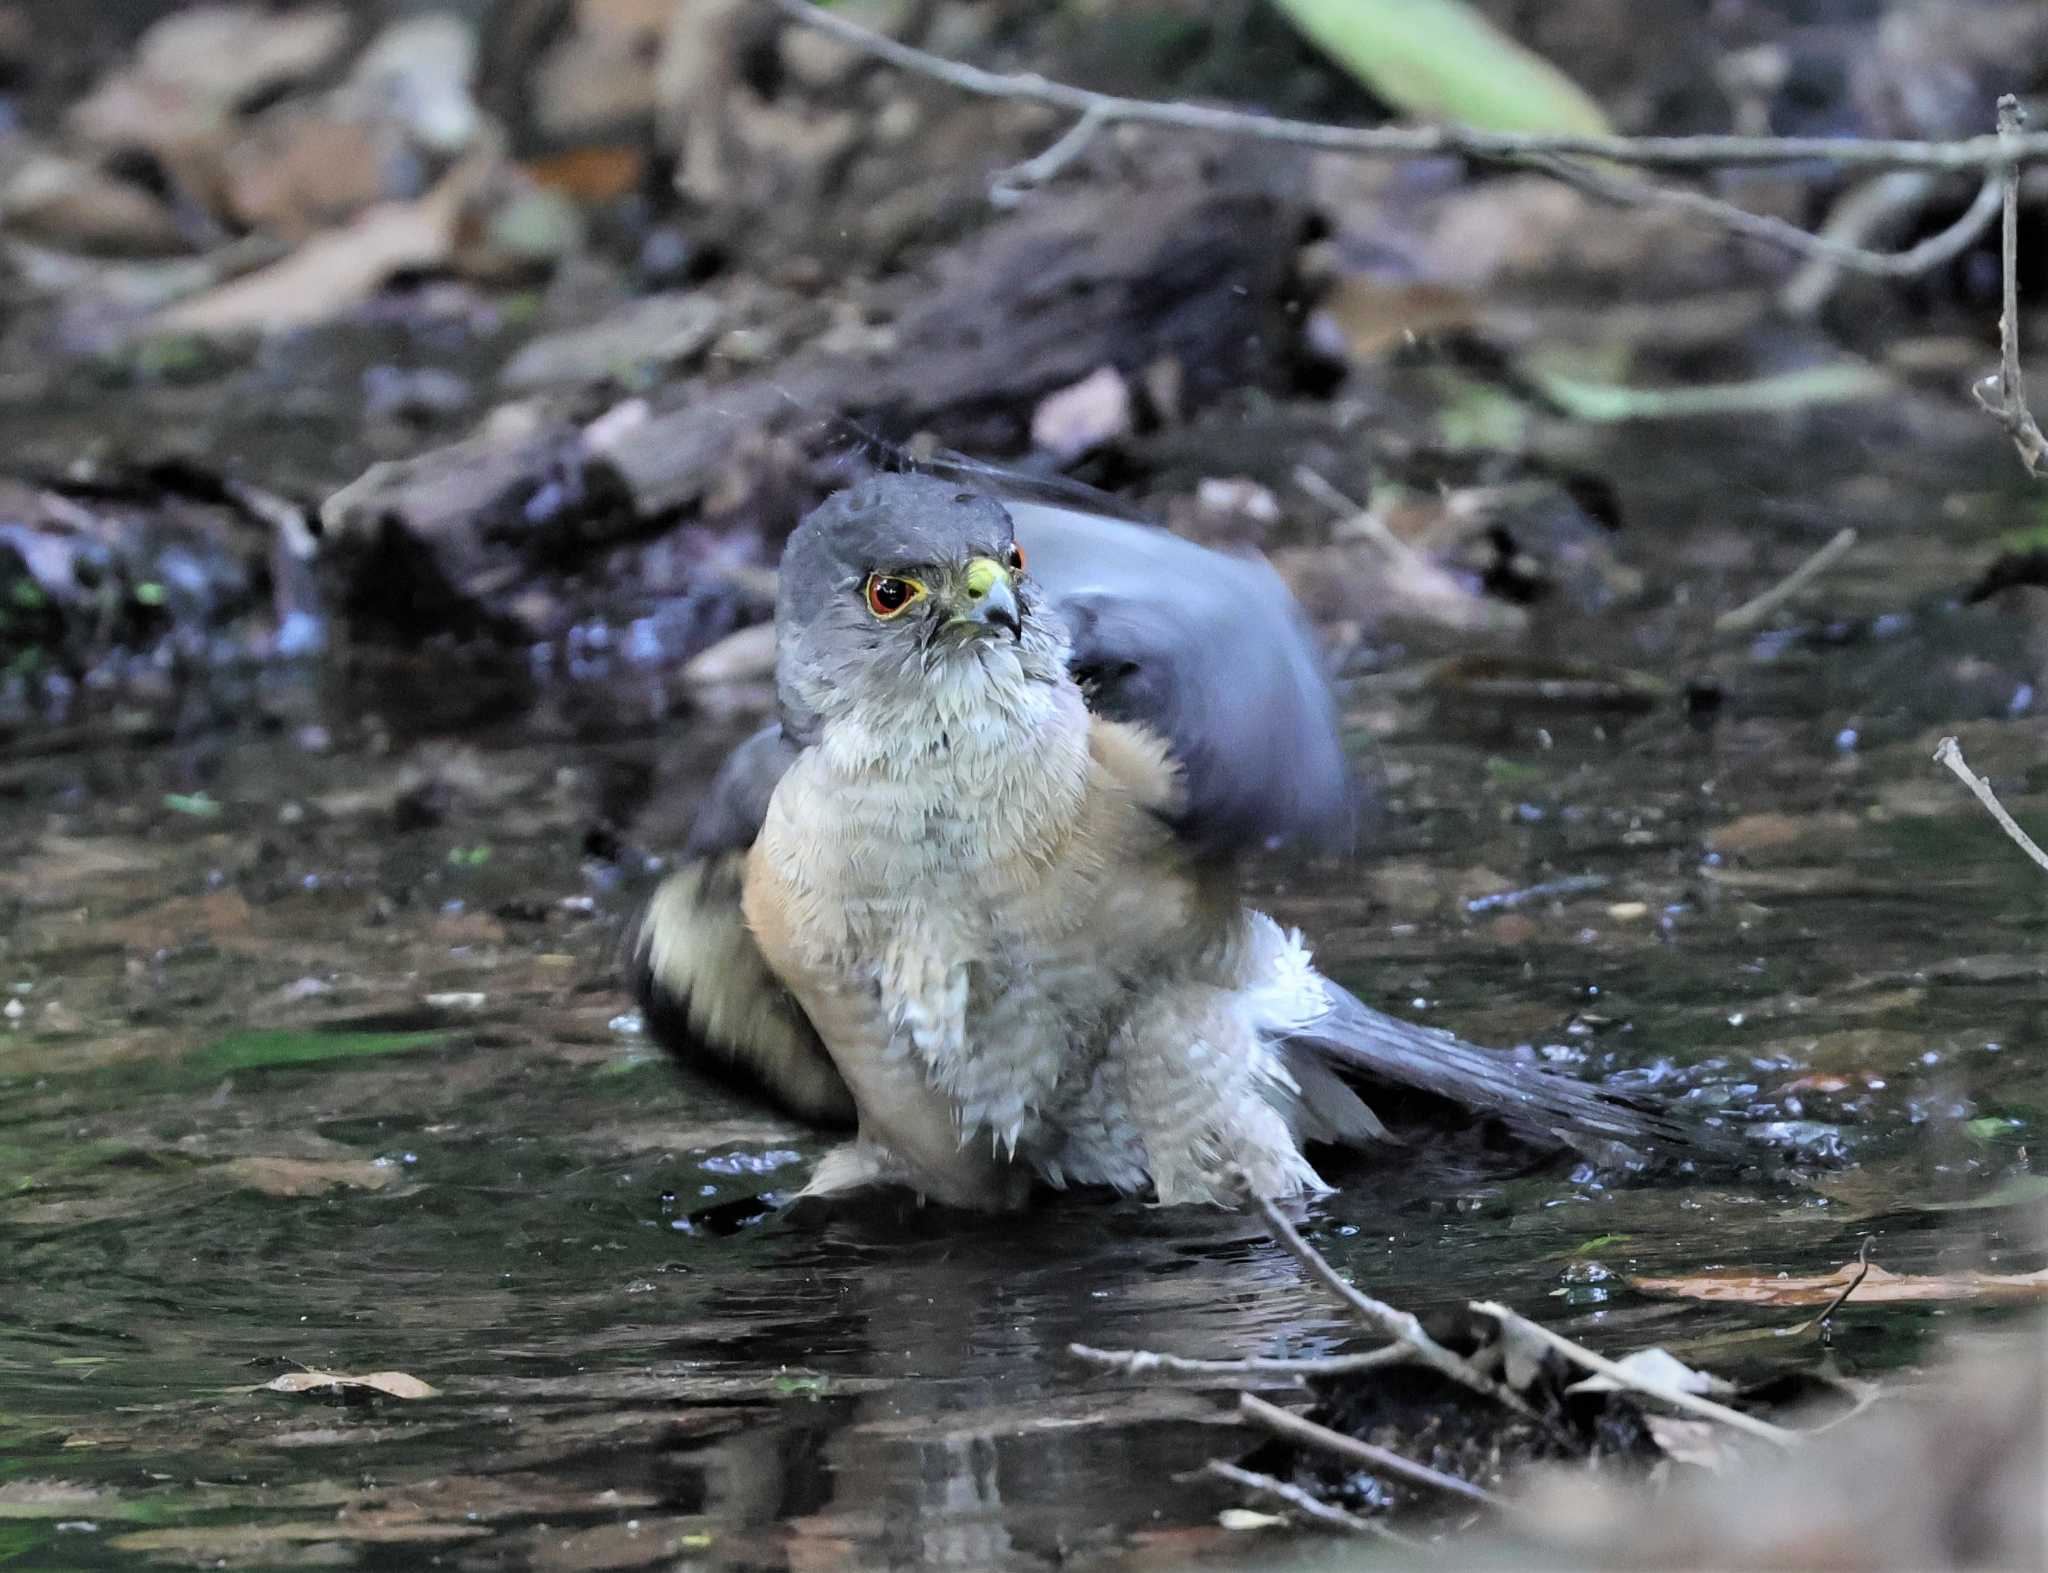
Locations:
column 1211, row 652
column 1541, row 1107
column 703, row 985
column 736, row 802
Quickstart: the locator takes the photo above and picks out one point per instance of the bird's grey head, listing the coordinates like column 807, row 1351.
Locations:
column 906, row 591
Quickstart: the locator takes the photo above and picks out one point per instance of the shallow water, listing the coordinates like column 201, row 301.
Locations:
column 317, row 1059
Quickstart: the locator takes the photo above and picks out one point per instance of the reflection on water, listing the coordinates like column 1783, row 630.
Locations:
column 331, row 1071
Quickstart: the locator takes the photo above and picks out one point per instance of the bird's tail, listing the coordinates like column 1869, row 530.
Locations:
column 1539, row 1106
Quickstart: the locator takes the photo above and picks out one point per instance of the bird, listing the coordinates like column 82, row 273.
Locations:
column 975, row 894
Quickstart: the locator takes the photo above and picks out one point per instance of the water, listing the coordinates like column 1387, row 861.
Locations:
column 313, row 1057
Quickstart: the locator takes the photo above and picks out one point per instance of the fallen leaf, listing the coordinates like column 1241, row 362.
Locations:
column 1699, row 1442
column 221, row 918
column 338, row 268
column 653, row 335
column 1608, row 403
column 1071, row 420
column 260, row 1049
column 1245, row 1518
column 1443, row 60
column 62, row 863
column 745, row 656
column 308, row 1176
column 392, row 1384
column 1771, row 832
column 249, row 1544
column 1879, row 1287
column 1371, row 319
column 1659, row 1366
column 230, row 54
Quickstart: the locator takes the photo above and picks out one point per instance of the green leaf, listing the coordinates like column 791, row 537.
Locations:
column 2019, row 1190
column 1990, row 1127
column 197, row 804
column 1600, row 1242
column 1511, row 772
column 259, row 1050
column 1442, row 60
column 1607, row 403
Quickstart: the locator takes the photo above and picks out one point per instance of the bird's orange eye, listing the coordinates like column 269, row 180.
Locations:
column 889, row 595
column 1016, row 558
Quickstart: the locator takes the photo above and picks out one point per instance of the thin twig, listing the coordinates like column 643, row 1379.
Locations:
column 1881, row 205
column 1948, row 753
column 1136, row 1362
column 1297, row 1428
column 1634, row 1381
column 1365, row 522
column 1383, row 1319
column 1309, row 1507
column 1981, row 153
column 1943, row 246
column 2010, row 405
column 1866, row 1394
column 1556, row 155
column 1751, row 613
column 1012, row 183
column 1842, row 1299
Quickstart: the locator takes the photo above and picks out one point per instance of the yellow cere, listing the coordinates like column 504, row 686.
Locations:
column 983, row 574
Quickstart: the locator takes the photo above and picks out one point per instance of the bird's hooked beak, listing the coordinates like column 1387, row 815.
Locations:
column 990, row 598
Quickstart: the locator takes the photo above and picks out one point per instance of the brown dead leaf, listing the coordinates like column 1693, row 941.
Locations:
column 1698, row 1442
column 50, row 1494
column 1069, row 421
column 78, row 206
column 221, row 918
column 327, row 1384
column 593, row 175
column 60, row 864
column 1754, row 833
column 309, row 1176
column 1878, row 1287
column 244, row 1544
column 296, row 173
column 226, row 54
column 746, row 656
column 468, row 928
column 327, row 275
column 339, row 268
column 1370, row 319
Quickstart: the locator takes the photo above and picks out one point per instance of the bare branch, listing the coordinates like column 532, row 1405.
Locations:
column 1297, row 1428
column 1561, row 157
column 1633, row 1381
column 1928, row 254
column 1293, row 1496
column 1751, row 613
column 1010, row 186
column 1401, row 1326
column 1984, row 153
column 1949, row 754
column 1136, row 1362
column 1883, row 203
column 2009, row 386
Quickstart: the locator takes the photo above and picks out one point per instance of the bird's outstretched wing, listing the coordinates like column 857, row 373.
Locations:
column 1210, row 652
